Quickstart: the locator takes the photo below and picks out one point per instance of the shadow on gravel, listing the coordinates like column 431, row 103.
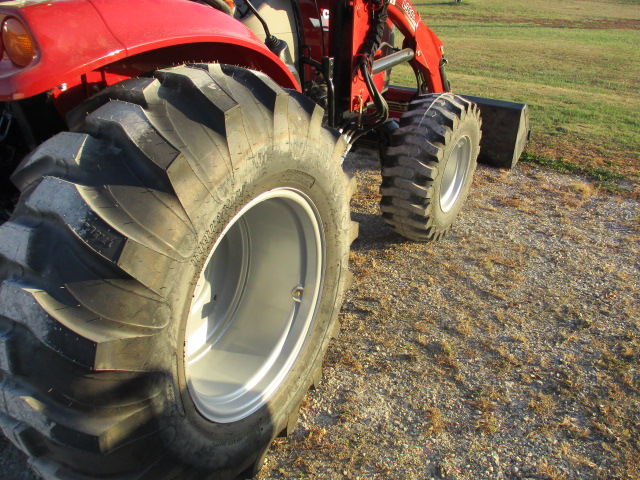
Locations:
column 373, row 233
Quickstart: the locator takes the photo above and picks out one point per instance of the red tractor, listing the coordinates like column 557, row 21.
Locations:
column 174, row 217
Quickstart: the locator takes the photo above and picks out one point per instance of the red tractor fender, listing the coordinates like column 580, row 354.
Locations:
column 89, row 44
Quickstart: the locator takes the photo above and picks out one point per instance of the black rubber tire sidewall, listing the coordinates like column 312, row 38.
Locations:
column 414, row 165
column 243, row 439
column 468, row 127
column 135, row 200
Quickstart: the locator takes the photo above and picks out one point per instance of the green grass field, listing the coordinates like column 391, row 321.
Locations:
column 576, row 63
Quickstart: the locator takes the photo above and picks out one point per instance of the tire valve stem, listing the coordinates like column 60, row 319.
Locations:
column 296, row 293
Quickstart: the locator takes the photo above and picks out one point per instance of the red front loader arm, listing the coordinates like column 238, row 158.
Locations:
column 424, row 42
column 85, row 45
column 426, row 50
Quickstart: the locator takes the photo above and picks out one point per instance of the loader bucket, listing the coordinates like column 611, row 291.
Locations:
column 505, row 131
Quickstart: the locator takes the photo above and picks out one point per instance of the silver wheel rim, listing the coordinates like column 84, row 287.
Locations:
column 455, row 173
column 254, row 305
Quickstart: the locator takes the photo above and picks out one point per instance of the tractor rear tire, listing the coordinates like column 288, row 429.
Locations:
column 428, row 168
column 171, row 277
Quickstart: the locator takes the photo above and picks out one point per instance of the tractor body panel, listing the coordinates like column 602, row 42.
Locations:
column 281, row 16
column 97, row 35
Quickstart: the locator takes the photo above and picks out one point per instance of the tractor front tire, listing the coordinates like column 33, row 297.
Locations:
column 428, row 168
column 171, row 277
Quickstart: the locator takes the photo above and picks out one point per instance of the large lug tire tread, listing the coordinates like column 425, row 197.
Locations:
column 110, row 216
column 413, row 165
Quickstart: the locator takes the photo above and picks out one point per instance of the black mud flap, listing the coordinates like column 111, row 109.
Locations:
column 505, row 131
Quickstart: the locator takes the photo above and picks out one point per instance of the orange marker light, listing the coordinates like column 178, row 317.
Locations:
column 232, row 5
column 17, row 42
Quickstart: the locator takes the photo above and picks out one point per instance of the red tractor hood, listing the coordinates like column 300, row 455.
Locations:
column 74, row 37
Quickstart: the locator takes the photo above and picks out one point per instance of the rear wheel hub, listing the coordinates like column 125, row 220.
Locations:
column 254, row 305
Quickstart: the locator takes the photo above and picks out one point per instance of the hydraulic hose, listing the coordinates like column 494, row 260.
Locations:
column 370, row 46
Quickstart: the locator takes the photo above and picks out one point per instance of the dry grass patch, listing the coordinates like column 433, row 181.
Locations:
column 542, row 404
column 358, row 258
column 485, row 403
column 550, row 472
column 572, row 428
column 352, row 362
column 425, row 324
column 582, row 193
column 518, row 337
column 349, row 412
column 516, row 201
column 305, row 468
column 486, row 399
column 436, row 421
column 505, row 360
column 488, row 423
column 614, row 361
column 316, row 440
column 446, row 355
column 462, row 326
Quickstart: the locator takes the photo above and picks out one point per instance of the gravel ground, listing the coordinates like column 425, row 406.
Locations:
column 510, row 350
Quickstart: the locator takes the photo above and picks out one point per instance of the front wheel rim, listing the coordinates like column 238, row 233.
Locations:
column 254, row 305
column 455, row 174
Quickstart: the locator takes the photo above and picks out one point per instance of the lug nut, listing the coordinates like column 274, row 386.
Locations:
column 296, row 293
